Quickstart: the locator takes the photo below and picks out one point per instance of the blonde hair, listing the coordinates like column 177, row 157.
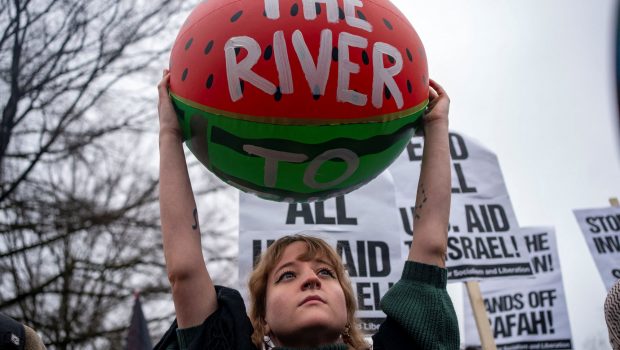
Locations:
column 267, row 262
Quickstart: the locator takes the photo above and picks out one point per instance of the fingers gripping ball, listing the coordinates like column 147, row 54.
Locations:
column 298, row 100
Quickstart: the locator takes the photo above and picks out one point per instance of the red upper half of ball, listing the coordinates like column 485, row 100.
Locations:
column 264, row 58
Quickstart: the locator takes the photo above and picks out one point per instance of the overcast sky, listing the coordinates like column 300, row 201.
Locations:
column 533, row 80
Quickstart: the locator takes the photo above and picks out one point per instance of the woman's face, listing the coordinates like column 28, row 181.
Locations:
column 305, row 302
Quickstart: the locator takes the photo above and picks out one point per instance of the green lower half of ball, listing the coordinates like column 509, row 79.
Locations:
column 293, row 162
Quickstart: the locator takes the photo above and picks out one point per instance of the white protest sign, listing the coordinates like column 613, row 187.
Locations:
column 481, row 242
column 362, row 225
column 601, row 229
column 530, row 313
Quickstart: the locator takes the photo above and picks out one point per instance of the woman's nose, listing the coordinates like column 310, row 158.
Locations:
column 311, row 282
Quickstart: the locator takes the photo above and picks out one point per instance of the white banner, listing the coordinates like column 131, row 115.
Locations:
column 361, row 225
column 601, row 229
column 530, row 313
column 481, row 242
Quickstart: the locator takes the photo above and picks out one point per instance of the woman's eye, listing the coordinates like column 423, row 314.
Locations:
column 326, row 272
column 286, row 276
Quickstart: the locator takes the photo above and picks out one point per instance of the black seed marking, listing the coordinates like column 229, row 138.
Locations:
column 409, row 86
column 335, row 54
column 388, row 24
column 189, row 43
column 409, row 55
column 236, row 16
column 278, row 95
column 264, row 13
column 316, row 97
column 360, row 15
column 317, row 6
column 237, row 51
column 294, row 10
column 388, row 93
column 184, row 76
column 242, row 84
column 341, row 14
column 209, row 47
column 268, row 53
column 210, row 81
column 365, row 58
column 391, row 59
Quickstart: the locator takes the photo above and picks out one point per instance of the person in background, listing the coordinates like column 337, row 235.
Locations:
column 17, row 336
column 612, row 315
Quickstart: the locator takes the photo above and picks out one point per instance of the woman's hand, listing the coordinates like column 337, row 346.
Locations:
column 438, row 106
column 168, row 123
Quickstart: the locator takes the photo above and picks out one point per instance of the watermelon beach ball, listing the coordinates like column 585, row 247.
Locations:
column 298, row 100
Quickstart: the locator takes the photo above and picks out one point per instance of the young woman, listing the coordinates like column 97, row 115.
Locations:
column 301, row 297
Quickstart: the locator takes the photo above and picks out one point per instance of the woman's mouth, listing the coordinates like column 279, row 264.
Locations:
column 312, row 298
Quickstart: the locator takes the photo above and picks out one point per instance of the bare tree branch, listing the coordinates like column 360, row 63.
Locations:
column 79, row 215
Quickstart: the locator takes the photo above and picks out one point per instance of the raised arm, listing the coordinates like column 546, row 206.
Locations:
column 192, row 289
column 432, row 210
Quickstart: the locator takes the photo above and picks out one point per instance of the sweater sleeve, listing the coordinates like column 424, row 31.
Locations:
column 419, row 311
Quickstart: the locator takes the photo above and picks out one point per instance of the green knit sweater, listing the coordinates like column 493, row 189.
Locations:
column 420, row 304
column 418, row 307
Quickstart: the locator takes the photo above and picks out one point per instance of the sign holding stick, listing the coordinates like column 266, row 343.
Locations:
column 480, row 315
